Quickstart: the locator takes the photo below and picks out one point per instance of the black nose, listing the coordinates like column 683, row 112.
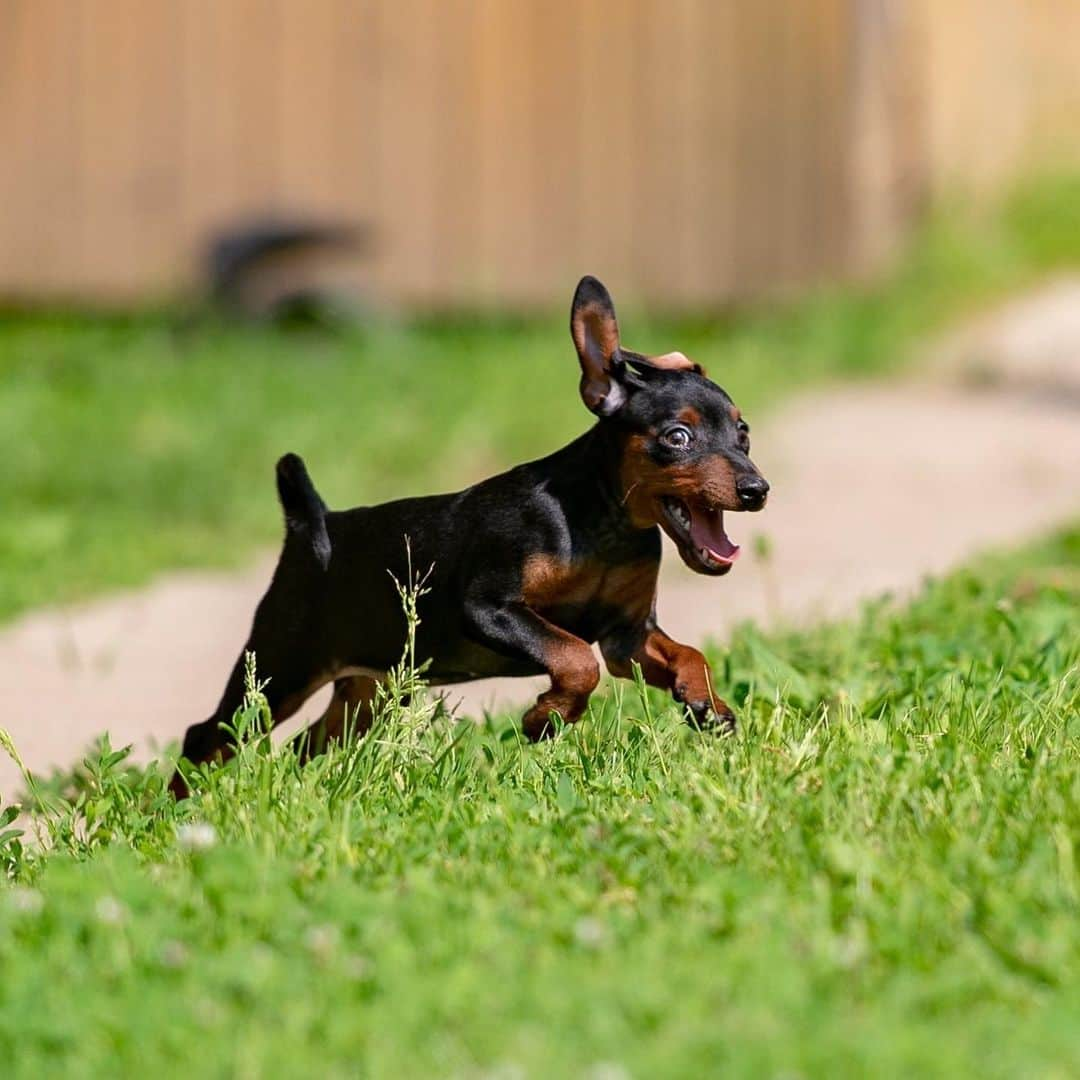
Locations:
column 752, row 491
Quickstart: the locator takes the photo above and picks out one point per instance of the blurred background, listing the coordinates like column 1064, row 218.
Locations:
column 351, row 229
column 698, row 152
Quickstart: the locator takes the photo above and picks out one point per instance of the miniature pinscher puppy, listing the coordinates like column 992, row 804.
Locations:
column 528, row 568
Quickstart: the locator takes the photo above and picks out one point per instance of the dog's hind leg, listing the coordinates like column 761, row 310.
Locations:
column 286, row 645
column 349, row 711
column 210, row 740
column 290, row 663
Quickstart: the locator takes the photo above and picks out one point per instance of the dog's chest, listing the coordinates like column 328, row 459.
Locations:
column 586, row 596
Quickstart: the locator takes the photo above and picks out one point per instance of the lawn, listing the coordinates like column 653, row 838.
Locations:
column 135, row 444
column 877, row 876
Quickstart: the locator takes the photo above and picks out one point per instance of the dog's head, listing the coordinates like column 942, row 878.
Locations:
column 685, row 446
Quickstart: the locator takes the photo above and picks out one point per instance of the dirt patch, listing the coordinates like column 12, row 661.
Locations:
column 873, row 489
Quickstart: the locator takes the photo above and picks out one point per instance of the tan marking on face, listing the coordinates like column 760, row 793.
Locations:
column 735, row 414
column 710, row 482
column 689, row 415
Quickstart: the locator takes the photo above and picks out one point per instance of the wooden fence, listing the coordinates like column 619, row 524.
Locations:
column 693, row 151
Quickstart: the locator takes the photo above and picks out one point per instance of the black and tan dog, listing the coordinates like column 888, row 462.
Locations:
column 528, row 568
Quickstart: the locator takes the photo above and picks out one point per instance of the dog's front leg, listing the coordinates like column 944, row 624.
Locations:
column 679, row 669
column 514, row 629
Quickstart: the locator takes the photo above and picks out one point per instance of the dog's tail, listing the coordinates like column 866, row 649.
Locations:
column 305, row 512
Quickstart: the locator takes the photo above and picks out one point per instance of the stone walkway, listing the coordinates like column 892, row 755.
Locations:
column 874, row 487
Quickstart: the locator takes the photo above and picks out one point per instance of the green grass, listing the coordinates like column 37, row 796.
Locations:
column 877, row 876
column 131, row 445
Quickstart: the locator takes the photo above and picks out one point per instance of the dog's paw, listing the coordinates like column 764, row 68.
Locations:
column 539, row 724
column 713, row 717
column 178, row 787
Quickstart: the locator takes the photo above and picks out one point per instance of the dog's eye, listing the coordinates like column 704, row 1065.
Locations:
column 744, row 436
column 678, row 438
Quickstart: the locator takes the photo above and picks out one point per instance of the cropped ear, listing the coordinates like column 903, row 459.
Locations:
column 596, row 336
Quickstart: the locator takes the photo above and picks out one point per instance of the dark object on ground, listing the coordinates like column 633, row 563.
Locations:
column 282, row 271
column 527, row 569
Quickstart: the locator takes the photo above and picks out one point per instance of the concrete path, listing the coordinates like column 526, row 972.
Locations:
column 874, row 487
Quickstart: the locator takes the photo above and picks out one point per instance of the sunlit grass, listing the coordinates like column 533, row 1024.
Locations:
column 876, row 876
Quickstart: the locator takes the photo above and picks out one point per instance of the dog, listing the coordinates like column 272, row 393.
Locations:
column 528, row 568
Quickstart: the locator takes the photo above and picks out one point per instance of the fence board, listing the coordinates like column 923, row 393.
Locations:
column 40, row 236
column 607, row 160
column 693, row 151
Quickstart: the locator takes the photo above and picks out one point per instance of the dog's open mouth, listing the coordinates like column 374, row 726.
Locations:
column 699, row 533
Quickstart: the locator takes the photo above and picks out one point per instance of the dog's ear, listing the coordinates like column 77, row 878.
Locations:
column 596, row 337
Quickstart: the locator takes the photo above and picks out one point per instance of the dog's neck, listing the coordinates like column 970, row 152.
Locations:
column 586, row 478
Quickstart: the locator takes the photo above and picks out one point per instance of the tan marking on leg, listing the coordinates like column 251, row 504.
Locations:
column 349, row 708
column 574, row 676
column 680, row 669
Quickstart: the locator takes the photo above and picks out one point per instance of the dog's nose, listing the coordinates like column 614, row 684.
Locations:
column 752, row 491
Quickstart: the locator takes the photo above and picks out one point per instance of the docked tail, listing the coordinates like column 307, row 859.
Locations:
column 305, row 512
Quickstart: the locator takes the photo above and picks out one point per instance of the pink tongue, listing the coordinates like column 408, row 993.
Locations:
column 707, row 531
